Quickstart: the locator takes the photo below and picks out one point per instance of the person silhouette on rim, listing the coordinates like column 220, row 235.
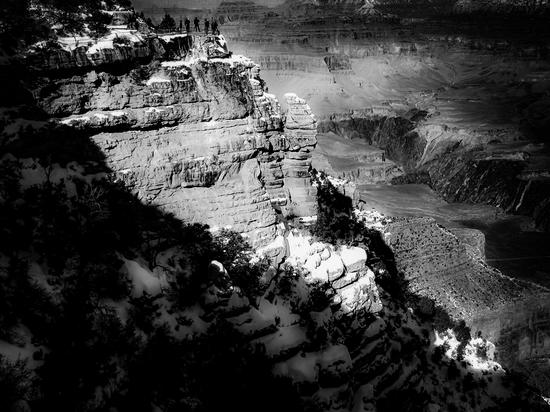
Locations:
column 215, row 29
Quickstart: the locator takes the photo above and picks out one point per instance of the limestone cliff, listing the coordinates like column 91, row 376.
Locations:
column 198, row 136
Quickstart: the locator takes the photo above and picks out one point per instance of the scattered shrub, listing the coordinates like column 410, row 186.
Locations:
column 16, row 382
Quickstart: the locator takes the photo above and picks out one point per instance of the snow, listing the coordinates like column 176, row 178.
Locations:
column 170, row 37
column 106, row 42
column 100, row 45
column 337, row 182
column 279, row 310
column 305, row 367
column 68, row 43
column 157, row 79
column 251, row 322
column 279, row 200
column 118, row 27
column 234, row 60
column 142, row 279
column 33, row 173
column 333, row 268
column 175, row 63
column 299, row 247
column 286, row 338
column 472, row 352
column 193, row 315
column 268, row 250
column 372, row 218
column 325, row 254
column 13, row 353
column 236, row 301
column 307, row 219
column 74, row 121
column 312, row 263
column 300, row 368
column 360, row 293
column 14, row 125
column 375, row 328
column 336, row 356
column 210, row 296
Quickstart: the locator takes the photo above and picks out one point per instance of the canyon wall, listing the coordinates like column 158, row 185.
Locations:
column 199, row 137
column 461, row 165
column 451, row 102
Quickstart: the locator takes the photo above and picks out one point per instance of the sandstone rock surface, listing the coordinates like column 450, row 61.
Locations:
column 198, row 136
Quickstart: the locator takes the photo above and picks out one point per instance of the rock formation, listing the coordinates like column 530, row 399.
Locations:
column 124, row 280
column 200, row 137
column 441, row 267
column 409, row 92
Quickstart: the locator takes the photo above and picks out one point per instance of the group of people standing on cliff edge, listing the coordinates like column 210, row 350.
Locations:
column 213, row 23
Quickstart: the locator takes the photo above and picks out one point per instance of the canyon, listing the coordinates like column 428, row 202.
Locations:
column 457, row 107
column 428, row 136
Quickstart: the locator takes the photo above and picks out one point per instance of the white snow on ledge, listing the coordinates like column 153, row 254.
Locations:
column 174, row 63
column 156, row 79
column 170, row 37
column 233, row 60
column 479, row 353
column 308, row 219
column 107, row 42
column 142, row 279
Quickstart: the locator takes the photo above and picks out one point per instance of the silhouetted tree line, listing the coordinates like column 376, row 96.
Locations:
column 21, row 22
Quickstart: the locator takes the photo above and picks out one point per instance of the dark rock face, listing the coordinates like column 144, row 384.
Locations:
column 393, row 134
column 475, row 177
column 456, row 169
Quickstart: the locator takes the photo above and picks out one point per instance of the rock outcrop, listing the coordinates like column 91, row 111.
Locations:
column 441, row 267
column 199, row 136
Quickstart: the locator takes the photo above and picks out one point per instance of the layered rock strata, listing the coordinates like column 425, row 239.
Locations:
column 198, row 136
column 475, row 166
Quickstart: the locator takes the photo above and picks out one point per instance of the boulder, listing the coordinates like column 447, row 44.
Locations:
column 361, row 295
column 216, row 271
column 325, row 254
column 332, row 267
column 354, row 258
column 335, row 366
